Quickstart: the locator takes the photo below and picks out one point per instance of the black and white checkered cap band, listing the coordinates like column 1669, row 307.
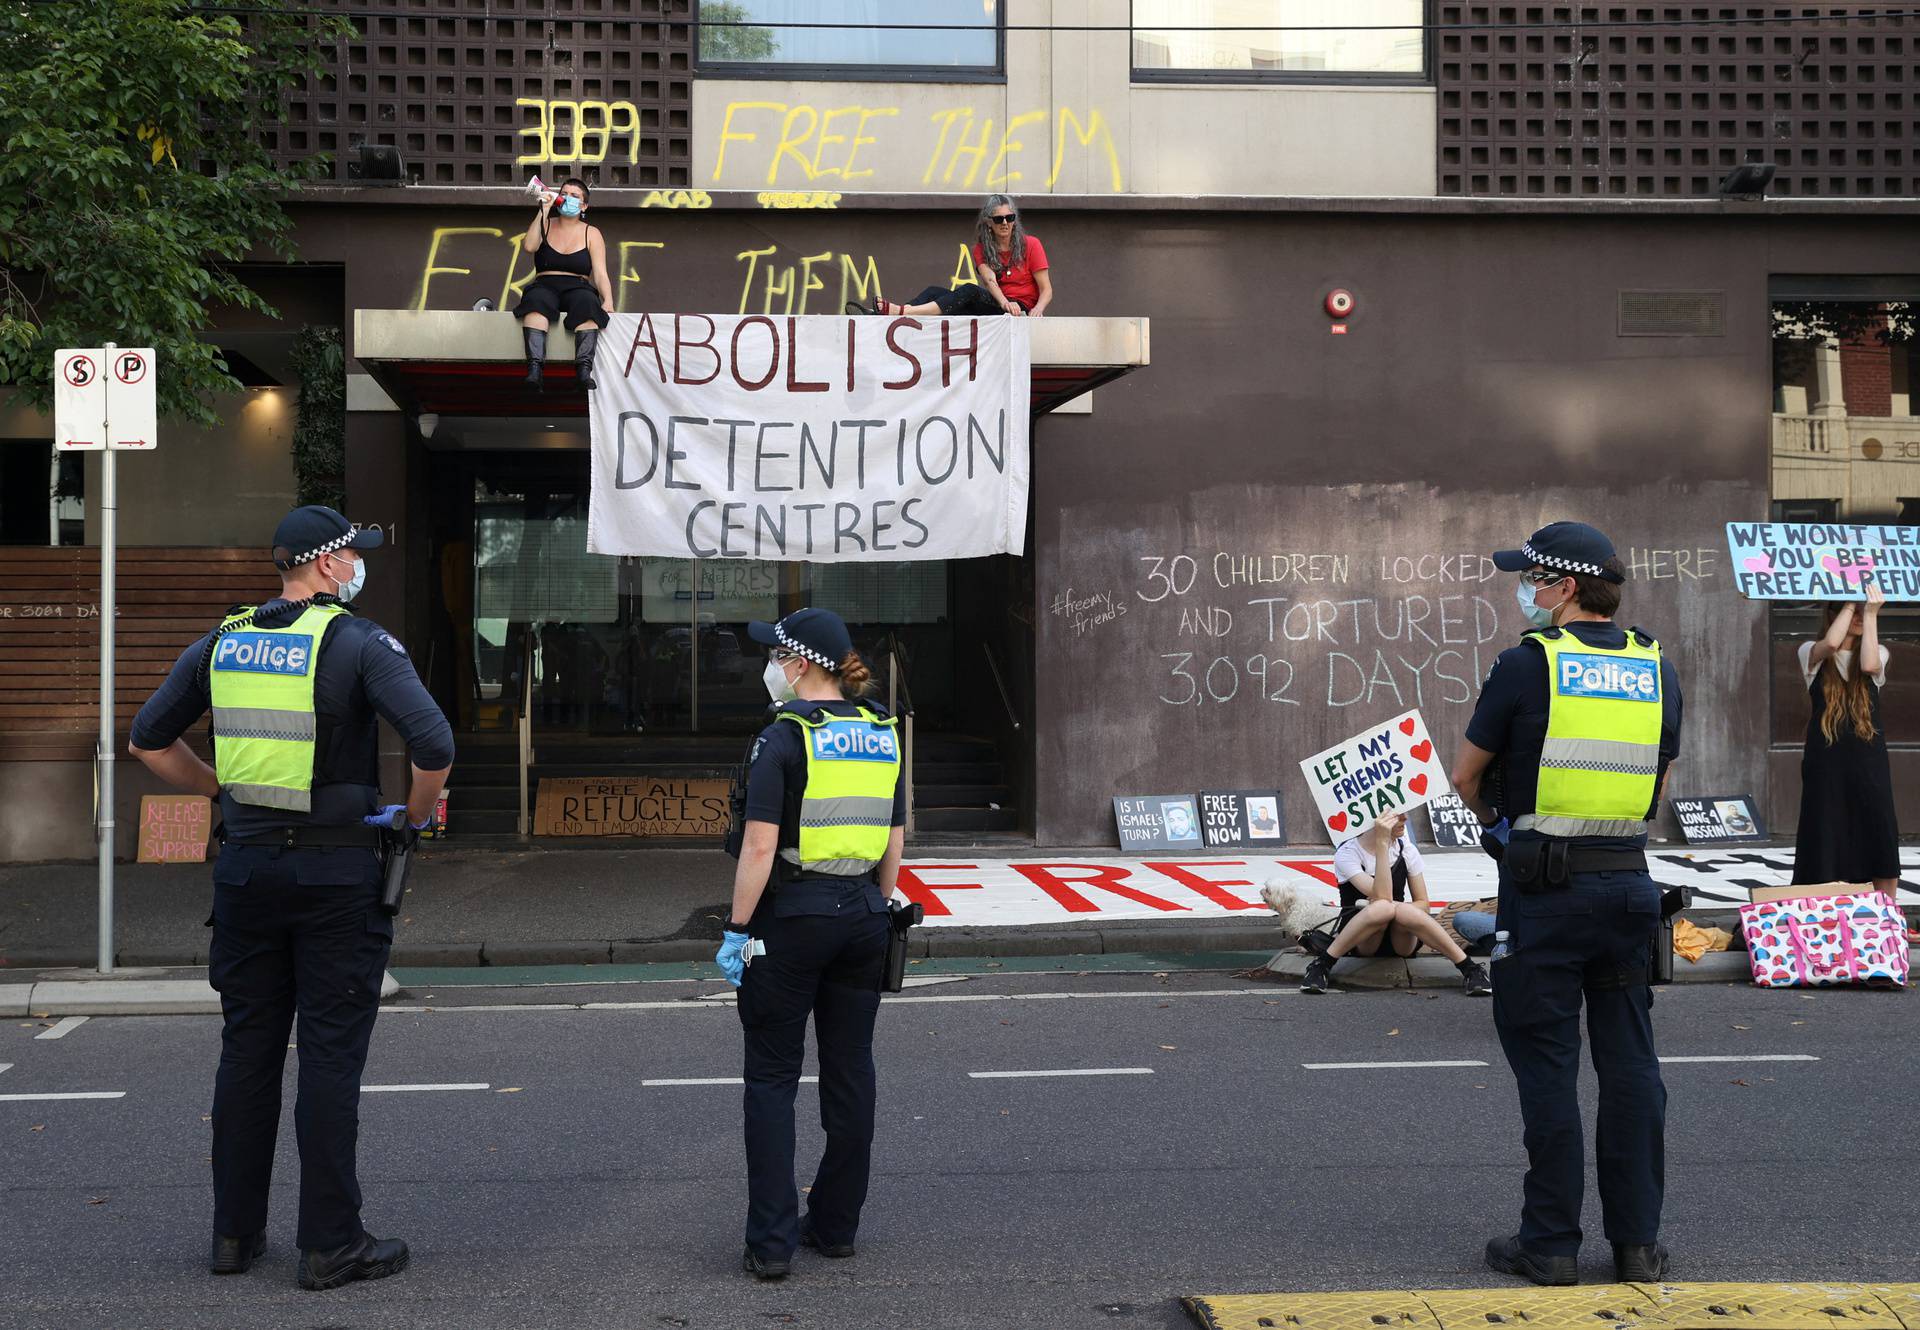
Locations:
column 804, row 651
column 1564, row 565
column 339, row 542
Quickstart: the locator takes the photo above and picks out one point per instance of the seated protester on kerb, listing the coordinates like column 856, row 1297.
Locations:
column 1377, row 871
column 1012, row 266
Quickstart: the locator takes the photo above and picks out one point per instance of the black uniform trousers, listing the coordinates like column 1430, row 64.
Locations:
column 828, row 966
column 298, row 935
column 1588, row 940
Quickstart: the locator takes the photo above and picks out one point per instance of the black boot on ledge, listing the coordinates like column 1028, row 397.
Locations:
column 536, row 340
column 584, row 343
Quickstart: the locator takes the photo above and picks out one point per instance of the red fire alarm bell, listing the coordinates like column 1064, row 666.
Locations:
column 1340, row 303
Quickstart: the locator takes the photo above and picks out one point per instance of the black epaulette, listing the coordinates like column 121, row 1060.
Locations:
column 1642, row 636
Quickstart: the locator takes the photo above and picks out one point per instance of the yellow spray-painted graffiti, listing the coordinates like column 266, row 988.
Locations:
column 797, row 198
column 565, row 132
column 803, row 141
column 769, row 285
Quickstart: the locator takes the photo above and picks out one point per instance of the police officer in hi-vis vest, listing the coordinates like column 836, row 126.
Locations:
column 296, row 687
column 824, row 817
column 1583, row 717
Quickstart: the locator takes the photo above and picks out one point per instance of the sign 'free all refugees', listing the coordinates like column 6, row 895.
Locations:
column 811, row 437
column 1824, row 560
column 637, row 806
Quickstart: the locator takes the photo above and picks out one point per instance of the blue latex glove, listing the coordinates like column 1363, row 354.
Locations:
column 385, row 818
column 1493, row 839
column 731, row 957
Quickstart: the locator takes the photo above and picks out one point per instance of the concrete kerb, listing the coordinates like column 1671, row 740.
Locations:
column 132, row 996
column 1716, row 967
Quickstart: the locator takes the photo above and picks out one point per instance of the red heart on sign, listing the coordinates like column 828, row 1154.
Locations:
column 1406, row 726
column 1422, row 750
column 1338, row 821
column 1418, row 784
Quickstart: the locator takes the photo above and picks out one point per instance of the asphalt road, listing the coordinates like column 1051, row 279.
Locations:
column 567, row 1192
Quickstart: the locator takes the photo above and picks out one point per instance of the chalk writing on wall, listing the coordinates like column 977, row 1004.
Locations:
column 801, row 143
column 1085, row 612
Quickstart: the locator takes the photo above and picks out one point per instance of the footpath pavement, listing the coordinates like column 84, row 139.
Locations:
column 504, row 908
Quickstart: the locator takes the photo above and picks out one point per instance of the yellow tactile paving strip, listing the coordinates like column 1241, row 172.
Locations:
column 1586, row 1307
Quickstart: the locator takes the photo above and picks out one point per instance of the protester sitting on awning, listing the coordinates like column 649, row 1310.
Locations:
column 1378, row 869
column 1014, row 278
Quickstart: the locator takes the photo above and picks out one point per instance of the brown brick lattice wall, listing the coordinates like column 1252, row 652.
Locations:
column 1581, row 109
column 488, row 92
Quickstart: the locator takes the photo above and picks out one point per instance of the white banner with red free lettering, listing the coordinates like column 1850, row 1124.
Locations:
column 960, row 891
column 821, row 438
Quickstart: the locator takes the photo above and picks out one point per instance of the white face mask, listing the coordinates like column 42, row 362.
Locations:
column 779, row 687
column 350, row 589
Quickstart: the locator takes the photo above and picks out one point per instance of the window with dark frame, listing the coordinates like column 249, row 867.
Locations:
column 1255, row 41
column 935, row 40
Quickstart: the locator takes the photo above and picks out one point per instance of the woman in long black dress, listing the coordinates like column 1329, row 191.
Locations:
column 1847, row 827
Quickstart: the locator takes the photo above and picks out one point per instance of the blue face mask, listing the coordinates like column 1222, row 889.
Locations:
column 350, row 589
column 570, row 206
column 1538, row 617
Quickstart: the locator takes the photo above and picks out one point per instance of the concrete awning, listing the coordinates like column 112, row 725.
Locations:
column 463, row 363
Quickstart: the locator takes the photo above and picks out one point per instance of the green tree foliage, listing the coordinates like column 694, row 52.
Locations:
column 132, row 174
column 320, row 425
column 733, row 43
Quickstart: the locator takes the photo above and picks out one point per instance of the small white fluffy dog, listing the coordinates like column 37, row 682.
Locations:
column 1300, row 905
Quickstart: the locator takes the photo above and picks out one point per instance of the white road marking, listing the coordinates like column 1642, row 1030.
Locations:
column 1751, row 1057
column 719, row 1001
column 79, row 1094
column 401, row 1089
column 61, row 1029
column 6, row 1066
column 1376, row 1066
column 712, row 1080
column 1067, row 1071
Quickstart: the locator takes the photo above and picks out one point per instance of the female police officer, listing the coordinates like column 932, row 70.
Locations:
column 824, row 815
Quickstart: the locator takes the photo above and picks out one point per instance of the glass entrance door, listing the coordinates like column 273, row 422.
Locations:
column 589, row 644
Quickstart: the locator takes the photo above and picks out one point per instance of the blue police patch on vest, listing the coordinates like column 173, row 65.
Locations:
column 1618, row 678
column 854, row 741
column 264, row 653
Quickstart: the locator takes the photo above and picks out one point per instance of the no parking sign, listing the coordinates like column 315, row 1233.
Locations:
column 103, row 397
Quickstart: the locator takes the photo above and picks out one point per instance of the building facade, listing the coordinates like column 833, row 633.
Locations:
column 1255, row 528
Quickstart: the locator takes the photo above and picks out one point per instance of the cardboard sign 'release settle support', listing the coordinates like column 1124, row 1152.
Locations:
column 1824, row 560
column 1387, row 769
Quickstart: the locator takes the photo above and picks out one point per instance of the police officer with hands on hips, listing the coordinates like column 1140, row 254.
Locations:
column 1583, row 718
column 824, row 824
column 296, row 686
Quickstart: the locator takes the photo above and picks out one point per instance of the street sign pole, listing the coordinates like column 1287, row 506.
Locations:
column 109, row 534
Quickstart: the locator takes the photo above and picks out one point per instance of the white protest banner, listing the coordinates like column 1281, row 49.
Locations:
column 810, row 437
column 1387, row 769
column 1824, row 560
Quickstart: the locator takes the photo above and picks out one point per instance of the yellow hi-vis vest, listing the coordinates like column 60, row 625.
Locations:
column 846, row 811
column 1601, row 760
column 264, row 726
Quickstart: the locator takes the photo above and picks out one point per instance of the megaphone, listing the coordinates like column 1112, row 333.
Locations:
column 537, row 190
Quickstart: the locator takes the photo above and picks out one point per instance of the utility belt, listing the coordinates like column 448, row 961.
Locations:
column 1536, row 866
column 311, row 838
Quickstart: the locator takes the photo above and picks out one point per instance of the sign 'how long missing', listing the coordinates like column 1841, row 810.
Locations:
column 810, row 437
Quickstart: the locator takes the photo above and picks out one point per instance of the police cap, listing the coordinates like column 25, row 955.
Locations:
column 817, row 635
column 306, row 533
column 1567, row 547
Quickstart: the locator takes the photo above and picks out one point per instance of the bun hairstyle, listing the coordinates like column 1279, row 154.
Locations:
column 856, row 680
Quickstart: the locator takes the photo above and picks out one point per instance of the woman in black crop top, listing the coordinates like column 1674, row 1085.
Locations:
column 570, row 277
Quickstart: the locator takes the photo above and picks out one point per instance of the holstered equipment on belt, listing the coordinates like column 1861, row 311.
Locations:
column 1536, row 866
column 900, row 918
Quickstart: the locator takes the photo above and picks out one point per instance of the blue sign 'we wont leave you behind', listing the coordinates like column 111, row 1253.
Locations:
column 1824, row 560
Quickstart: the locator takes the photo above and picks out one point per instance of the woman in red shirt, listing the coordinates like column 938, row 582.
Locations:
column 1013, row 273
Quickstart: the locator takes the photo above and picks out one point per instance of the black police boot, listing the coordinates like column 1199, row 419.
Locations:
column 764, row 1267
column 1640, row 1265
column 536, row 340
column 366, row 1257
column 809, row 1238
column 235, row 1256
column 583, row 346
column 1508, row 1257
